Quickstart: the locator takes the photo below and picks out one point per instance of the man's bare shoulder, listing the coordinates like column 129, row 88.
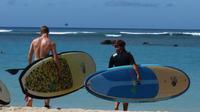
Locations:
column 35, row 40
column 50, row 42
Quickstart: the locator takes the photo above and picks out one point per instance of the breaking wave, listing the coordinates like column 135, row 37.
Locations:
column 113, row 35
column 162, row 33
column 2, row 30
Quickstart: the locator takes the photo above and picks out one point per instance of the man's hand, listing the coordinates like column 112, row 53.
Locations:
column 135, row 67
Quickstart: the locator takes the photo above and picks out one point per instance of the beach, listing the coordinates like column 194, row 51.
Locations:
column 43, row 109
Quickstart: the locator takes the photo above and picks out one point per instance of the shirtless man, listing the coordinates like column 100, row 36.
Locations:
column 40, row 48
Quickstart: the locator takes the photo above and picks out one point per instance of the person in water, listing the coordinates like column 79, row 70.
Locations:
column 41, row 47
column 120, row 58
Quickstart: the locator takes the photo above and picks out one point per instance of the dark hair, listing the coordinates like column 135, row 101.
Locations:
column 44, row 29
column 119, row 43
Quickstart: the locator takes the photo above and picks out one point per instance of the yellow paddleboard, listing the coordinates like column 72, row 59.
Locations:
column 4, row 94
column 41, row 80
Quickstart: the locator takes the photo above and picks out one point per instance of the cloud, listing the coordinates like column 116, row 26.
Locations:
column 11, row 2
column 16, row 3
column 32, row 2
column 126, row 3
column 169, row 5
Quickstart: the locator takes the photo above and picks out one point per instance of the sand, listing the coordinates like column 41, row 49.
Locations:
column 43, row 109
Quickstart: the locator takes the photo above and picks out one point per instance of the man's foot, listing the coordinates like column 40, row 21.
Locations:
column 125, row 106
column 47, row 106
column 138, row 82
column 29, row 103
column 46, row 103
column 117, row 105
column 59, row 108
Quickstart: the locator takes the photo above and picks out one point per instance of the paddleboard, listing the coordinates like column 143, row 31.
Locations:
column 119, row 83
column 40, row 79
column 4, row 94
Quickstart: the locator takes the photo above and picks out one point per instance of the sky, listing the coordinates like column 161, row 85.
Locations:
column 164, row 14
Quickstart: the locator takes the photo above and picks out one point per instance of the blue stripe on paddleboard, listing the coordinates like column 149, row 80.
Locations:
column 92, row 75
column 120, row 83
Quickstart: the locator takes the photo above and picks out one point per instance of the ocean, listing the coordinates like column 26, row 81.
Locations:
column 171, row 47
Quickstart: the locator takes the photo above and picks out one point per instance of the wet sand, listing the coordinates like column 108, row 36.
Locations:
column 43, row 109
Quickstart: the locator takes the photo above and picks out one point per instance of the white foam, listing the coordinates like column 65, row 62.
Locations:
column 2, row 30
column 145, row 33
column 63, row 33
column 86, row 32
column 162, row 33
column 192, row 33
column 113, row 35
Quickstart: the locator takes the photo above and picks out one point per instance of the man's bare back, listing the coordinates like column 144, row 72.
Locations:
column 42, row 46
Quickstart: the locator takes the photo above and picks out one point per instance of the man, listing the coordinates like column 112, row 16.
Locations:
column 40, row 48
column 120, row 58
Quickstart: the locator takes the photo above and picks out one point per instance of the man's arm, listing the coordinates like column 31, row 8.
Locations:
column 135, row 67
column 30, row 53
column 55, row 56
column 110, row 62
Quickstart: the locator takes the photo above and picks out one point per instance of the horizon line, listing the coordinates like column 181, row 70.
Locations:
column 65, row 27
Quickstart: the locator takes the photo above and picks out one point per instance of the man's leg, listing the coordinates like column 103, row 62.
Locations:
column 117, row 105
column 46, row 103
column 125, row 106
column 29, row 101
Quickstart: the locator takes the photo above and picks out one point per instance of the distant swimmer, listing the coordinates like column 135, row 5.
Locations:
column 1, row 52
column 145, row 43
column 175, row 45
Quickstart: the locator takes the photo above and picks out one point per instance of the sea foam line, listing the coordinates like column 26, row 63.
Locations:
column 86, row 32
column 2, row 30
column 145, row 33
column 192, row 33
column 65, row 33
column 113, row 35
column 162, row 33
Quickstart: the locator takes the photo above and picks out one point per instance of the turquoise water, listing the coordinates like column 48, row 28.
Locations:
column 14, row 45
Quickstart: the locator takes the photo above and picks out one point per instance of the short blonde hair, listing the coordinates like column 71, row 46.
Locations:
column 44, row 29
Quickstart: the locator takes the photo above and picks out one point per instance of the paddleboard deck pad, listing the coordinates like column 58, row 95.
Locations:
column 40, row 79
column 4, row 94
column 119, row 83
